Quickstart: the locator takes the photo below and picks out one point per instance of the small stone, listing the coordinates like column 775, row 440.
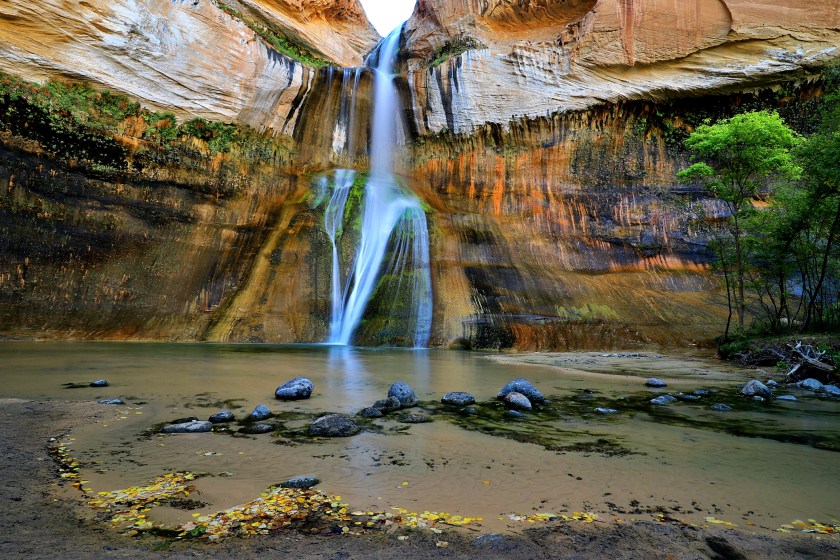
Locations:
column 684, row 397
column 404, row 393
column 414, row 419
column 514, row 414
column 261, row 412
column 111, row 401
column 458, row 398
column 258, row 428
column 606, row 410
column 701, row 392
column 810, row 384
column 663, row 400
column 387, row 405
column 721, row 407
column 193, row 427
column 295, row 389
column 222, row 417
column 654, row 382
column 517, row 401
column 334, row 425
column 302, row 482
column 369, row 412
column 99, row 383
column 786, row 398
column 756, row 388
column 523, row 387
column 468, row 411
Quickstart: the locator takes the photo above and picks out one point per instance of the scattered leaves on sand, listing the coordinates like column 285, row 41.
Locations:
column 585, row 517
column 812, row 526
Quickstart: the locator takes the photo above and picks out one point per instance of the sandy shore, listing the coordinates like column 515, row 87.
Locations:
column 42, row 518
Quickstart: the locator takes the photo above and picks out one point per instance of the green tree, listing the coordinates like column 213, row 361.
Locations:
column 738, row 159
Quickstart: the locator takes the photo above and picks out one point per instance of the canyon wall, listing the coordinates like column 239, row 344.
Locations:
column 543, row 137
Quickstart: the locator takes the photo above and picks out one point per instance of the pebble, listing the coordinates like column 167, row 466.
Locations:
column 111, row 401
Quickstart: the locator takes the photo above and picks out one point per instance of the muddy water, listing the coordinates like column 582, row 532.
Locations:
column 756, row 466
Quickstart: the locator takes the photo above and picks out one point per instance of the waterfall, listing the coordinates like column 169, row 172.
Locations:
column 392, row 237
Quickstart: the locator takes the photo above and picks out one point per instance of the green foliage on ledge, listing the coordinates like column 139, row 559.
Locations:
column 454, row 47
column 280, row 42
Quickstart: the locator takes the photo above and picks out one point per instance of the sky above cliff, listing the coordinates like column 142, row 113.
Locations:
column 385, row 15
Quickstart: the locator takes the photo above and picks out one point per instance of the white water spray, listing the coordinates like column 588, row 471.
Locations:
column 393, row 234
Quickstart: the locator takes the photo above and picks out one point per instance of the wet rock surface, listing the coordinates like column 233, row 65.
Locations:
column 756, row 388
column 458, row 398
column 404, row 393
column 222, row 417
column 523, row 387
column 295, row 389
column 258, row 428
column 300, row 482
column 260, row 412
column 195, row 426
column 334, row 425
column 517, row 401
column 99, row 383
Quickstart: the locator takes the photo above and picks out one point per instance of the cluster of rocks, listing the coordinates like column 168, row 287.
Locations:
column 694, row 396
column 520, row 396
column 759, row 391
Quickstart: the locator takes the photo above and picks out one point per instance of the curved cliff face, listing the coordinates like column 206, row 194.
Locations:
column 188, row 57
column 528, row 59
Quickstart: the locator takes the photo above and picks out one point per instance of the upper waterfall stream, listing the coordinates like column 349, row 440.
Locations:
column 391, row 235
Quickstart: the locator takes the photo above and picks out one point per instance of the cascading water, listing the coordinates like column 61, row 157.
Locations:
column 392, row 236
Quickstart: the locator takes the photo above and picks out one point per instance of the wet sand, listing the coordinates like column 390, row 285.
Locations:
column 42, row 517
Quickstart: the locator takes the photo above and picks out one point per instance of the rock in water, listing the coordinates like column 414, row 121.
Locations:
column 517, row 401
column 404, row 393
column 258, row 428
column 684, row 397
column 523, row 387
column 222, row 417
column 188, row 427
column 99, row 383
column 663, row 400
column 786, row 398
column 458, row 398
column 414, row 419
column 514, row 414
column 756, row 388
column 387, row 405
column 369, row 412
column 606, row 411
column 261, row 412
column 654, row 382
column 334, row 425
column 721, row 407
column 302, row 482
column 810, row 384
column 111, row 401
column 295, row 389
column 831, row 390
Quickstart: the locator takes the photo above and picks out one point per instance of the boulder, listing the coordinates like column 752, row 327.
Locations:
column 721, row 407
column 196, row 426
column 654, row 382
column 458, row 398
column 404, row 393
column 295, row 389
column 261, row 412
column 302, row 482
column 387, row 405
column 523, row 387
column 222, row 417
column 663, row 400
column 369, row 412
column 517, row 401
column 334, row 425
column 756, row 388
column 606, row 411
column 258, row 428
column 415, row 418
column 810, row 384
column 99, row 383
column 111, row 401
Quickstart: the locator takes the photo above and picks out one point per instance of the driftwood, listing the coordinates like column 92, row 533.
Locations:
column 810, row 364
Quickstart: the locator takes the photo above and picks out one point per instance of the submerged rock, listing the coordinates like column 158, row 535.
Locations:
column 99, row 383
column 810, row 384
column 369, row 412
column 831, row 390
column 404, row 393
column 756, row 388
column 684, row 397
column 258, row 428
column 387, row 405
column 295, row 389
column 261, row 412
column 523, row 387
column 514, row 414
column 786, row 398
column 654, row 382
column 517, row 401
column 601, row 410
column 663, row 400
column 334, row 425
column 415, row 418
column 721, row 407
column 701, row 392
column 222, row 417
column 196, row 426
column 302, row 482
column 111, row 401
column 458, row 398
column 468, row 411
